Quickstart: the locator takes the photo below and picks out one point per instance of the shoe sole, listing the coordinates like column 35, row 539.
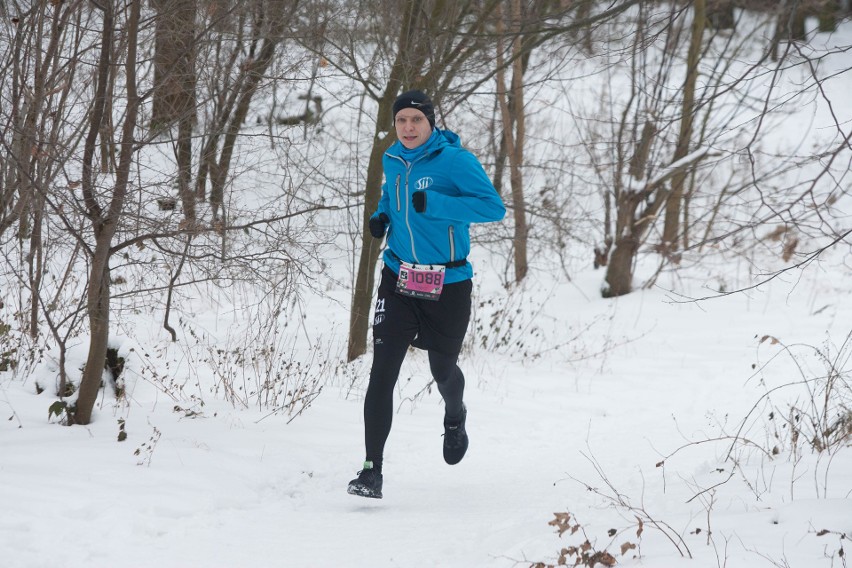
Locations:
column 363, row 492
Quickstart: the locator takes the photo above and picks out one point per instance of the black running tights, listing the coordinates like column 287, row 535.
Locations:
column 378, row 404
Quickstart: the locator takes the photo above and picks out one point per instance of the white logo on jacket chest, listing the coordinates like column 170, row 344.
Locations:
column 423, row 183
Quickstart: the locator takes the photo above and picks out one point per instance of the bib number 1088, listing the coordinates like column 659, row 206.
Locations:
column 427, row 278
column 420, row 281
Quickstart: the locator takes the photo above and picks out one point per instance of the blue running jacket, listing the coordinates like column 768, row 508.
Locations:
column 458, row 193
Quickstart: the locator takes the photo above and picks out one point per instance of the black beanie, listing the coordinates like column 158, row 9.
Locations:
column 417, row 100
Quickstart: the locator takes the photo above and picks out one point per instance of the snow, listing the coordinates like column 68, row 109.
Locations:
column 648, row 407
column 230, row 487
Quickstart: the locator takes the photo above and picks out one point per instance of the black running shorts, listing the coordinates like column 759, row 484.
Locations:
column 426, row 324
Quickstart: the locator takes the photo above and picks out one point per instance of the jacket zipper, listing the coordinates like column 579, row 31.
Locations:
column 408, row 167
column 408, row 210
column 452, row 232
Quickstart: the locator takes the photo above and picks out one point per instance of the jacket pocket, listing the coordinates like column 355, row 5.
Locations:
column 452, row 236
column 398, row 202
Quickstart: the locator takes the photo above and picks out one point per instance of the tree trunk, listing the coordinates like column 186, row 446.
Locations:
column 224, row 93
column 513, row 133
column 105, row 223
column 619, row 270
column 35, row 262
column 720, row 15
column 828, row 14
column 184, row 164
column 672, row 223
column 254, row 71
column 582, row 34
column 790, row 27
column 98, row 311
column 632, row 225
column 25, row 155
column 362, row 292
column 174, row 87
column 27, row 162
column 174, row 62
column 797, row 25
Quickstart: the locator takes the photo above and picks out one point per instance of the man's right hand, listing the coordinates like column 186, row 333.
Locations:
column 378, row 225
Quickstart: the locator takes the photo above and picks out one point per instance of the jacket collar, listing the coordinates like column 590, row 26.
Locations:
column 439, row 140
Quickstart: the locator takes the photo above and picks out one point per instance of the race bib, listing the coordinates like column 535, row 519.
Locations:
column 424, row 281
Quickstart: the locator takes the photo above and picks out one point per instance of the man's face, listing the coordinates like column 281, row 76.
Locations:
column 412, row 127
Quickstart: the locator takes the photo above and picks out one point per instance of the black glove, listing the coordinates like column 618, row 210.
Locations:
column 418, row 199
column 378, row 225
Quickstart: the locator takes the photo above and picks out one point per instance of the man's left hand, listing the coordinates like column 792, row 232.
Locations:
column 418, row 199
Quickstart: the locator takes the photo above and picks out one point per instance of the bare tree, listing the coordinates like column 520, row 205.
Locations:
column 514, row 129
column 674, row 200
column 105, row 217
column 245, row 62
column 692, row 160
column 80, row 207
column 648, row 176
column 36, row 152
column 173, row 98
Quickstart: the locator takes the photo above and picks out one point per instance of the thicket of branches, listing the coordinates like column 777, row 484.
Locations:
column 150, row 148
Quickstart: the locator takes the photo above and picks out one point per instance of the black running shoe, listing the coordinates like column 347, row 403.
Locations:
column 455, row 439
column 367, row 484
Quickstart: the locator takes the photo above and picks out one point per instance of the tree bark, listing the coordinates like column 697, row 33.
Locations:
column 790, row 26
column 619, row 272
column 632, row 225
column 362, row 293
column 672, row 223
column 720, row 15
column 828, row 14
column 174, row 62
column 184, row 164
column 513, row 133
column 105, row 223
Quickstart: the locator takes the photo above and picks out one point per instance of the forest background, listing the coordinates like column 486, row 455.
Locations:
column 184, row 190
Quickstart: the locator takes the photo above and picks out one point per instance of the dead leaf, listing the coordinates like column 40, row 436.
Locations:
column 789, row 249
column 562, row 522
column 627, row 546
column 602, row 557
column 777, row 233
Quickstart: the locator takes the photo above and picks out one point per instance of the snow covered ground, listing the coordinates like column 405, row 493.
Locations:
column 647, row 376
column 662, row 425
